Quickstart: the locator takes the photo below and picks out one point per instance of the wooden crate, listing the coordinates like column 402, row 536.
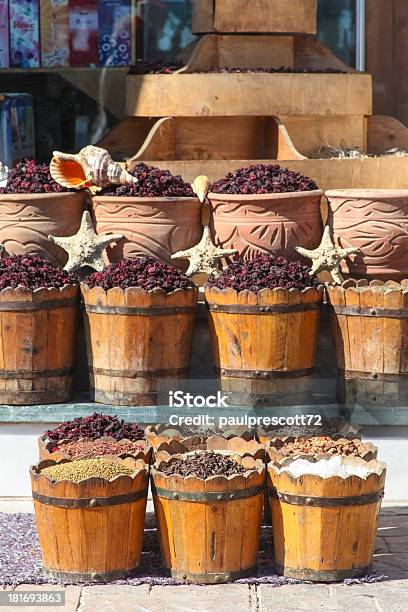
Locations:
column 278, row 16
column 250, row 94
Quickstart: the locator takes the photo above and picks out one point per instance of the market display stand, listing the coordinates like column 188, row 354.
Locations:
column 198, row 120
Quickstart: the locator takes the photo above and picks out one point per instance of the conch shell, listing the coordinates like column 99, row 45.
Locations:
column 91, row 167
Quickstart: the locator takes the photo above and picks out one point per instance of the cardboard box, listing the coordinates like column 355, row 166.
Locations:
column 54, row 32
column 115, row 47
column 24, row 34
column 4, row 34
column 83, row 32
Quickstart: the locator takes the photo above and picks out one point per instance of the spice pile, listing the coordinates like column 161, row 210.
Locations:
column 282, row 69
column 320, row 445
column 159, row 67
column 87, row 468
column 203, row 465
column 264, row 271
column 32, row 272
column 151, row 182
column 144, row 272
column 263, row 178
column 94, row 426
column 29, row 177
column 100, row 447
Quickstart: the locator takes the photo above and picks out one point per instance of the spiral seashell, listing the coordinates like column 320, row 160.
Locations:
column 91, row 167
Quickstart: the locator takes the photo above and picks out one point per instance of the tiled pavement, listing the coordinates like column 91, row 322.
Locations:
column 390, row 595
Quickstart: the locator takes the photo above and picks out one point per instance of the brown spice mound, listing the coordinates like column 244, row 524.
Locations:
column 76, row 471
column 320, row 445
column 203, row 465
column 98, row 448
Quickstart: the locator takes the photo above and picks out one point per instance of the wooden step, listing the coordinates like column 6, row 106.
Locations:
column 278, row 16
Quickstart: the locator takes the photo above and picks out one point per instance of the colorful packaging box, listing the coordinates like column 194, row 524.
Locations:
column 115, row 33
column 4, row 34
column 54, row 32
column 24, row 34
column 83, row 32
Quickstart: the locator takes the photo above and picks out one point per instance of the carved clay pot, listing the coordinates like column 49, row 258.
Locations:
column 150, row 226
column 26, row 221
column 375, row 221
column 269, row 223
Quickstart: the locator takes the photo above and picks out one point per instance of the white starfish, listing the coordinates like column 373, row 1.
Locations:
column 327, row 257
column 204, row 256
column 85, row 248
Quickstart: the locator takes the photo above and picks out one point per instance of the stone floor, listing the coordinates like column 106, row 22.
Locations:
column 391, row 595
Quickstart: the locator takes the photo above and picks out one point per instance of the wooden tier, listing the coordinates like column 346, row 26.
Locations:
column 278, row 16
column 250, row 94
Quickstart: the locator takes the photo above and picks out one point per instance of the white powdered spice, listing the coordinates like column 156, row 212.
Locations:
column 335, row 466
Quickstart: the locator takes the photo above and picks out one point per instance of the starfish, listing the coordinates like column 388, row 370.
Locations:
column 327, row 256
column 85, row 248
column 204, row 256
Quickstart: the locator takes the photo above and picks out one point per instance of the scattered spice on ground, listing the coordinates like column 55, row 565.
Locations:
column 263, row 178
column 100, row 447
column 264, row 271
column 94, row 426
column 144, row 272
column 33, row 272
column 30, row 177
column 319, row 445
column 151, row 182
column 75, row 471
column 203, row 465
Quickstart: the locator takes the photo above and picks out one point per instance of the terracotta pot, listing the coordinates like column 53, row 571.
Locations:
column 375, row 221
column 26, row 220
column 151, row 226
column 269, row 223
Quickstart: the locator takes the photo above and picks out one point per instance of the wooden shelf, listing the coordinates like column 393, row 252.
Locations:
column 277, row 16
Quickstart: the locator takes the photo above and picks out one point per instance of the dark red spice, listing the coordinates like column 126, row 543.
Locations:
column 203, row 465
column 30, row 177
column 144, row 272
column 264, row 271
column 94, row 426
column 100, row 447
column 152, row 183
column 32, row 272
column 282, row 69
column 263, row 178
column 159, row 67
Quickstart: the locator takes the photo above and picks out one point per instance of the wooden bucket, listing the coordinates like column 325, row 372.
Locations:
column 37, row 344
column 369, row 324
column 324, row 529
column 264, row 343
column 136, row 338
column 45, row 450
column 209, row 529
column 177, row 439
column 90, row 531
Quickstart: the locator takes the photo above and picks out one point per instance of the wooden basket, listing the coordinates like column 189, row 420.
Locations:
column 91, row 531
column 37, row 344
column 369, row 324
column 136, row 338
column 324, row 529
column 209, row 529
column 169, row 437
column 45, row 450
column 264, row 343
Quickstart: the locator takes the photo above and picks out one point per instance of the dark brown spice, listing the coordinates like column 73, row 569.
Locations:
column 203, row 465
